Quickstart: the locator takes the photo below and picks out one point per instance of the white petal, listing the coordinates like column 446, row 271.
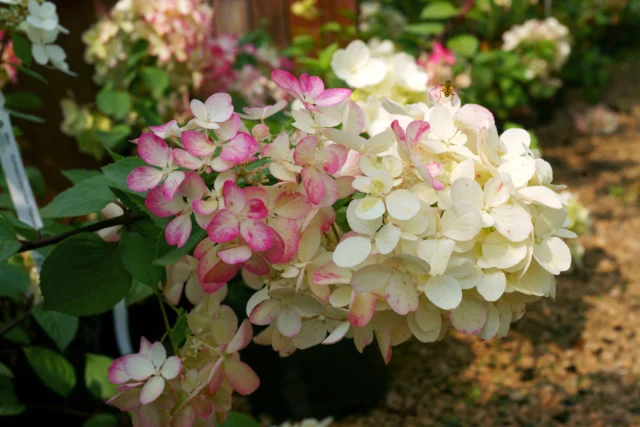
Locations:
column 289, row 322
column 402, row 204
column 506, row 315
column 39, row 54
column 443, row 291
column 358, row 224
column 469, row 317
column 492, row 284
column 466, row 190
column 520, row 169
column 536, row 281
column 425, row 323
column 340, row 297
column 370, row 208
column 496, row 192
column 500, row 252
column 461, row 222
column 512, row 221
column 401, row 294
column 492, row 325
column 541, row 195
column 437, row 253
column 553, row 254
column 387, row 238
column 352, row 251
column 370, row 278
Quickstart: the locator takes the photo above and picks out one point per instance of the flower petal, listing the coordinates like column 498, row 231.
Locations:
column 352, row 251
column 154, row 150
column 152, row 390
column 362, row 308
column 469, row 317
column 171, row 367
column 224, row 227
column 402, row 204
column 178, row 230
column 256, row 234
column 241, row 377
column 401, row 294
column 138, row 367
column 197, row 144
column 160, row 206
column 444, row 291
column 143, row 178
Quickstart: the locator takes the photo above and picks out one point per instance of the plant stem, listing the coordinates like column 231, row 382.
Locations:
column 126, row 218
column 15, row 322
column 166, row 323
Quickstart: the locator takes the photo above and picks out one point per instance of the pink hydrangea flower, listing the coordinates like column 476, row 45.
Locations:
column 310, row 90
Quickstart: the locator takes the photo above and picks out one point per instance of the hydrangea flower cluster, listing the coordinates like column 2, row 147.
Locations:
column 39, row 21
column 437, row 222
column 535, row 31
column 376, row 71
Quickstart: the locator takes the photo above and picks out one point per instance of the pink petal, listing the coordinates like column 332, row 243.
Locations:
column 305, row 151
column 152, row 390
column 224, row 227
column 311, row 86
column 256, row 193
column 172, row 184
column 143, row 178
column 241, row 339
column 288, row 82
column 145, row 346
column 203, row 248
column 212, row 287
column 286, row 234
column 313, row 185
column 241, row 377
column 425, row 173
column 186, row 416
column 153, row 150
column 157, row 354
column 415, row 130
column 332, row 97
column 265, row 312
column 256, row 209
column 341, row 151
column 384, row 344
column 330, row 191
column 116, row 371
column 128, row 400
column 197, row 144
column 238, row 149
column 330, row 161
column 256, row 234
column 138, row 367
column 234, row 198
column 362, row 308
column 159, row 206
column 219, row 107
column 161, row 130
column 186, row 160
column 235, row 254
column 178, row 230
column 221, row 273
column 205, row 207
column 256, row 265
column 397, row 129
column 171, row 368
column 292, row 205
column 228, row 129
column 193, row 186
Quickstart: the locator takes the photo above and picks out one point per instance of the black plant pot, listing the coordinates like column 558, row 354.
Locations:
column 322, row 381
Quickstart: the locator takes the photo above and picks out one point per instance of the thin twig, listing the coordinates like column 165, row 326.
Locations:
column 15, row 322
column 166, row 323
column 126, row 218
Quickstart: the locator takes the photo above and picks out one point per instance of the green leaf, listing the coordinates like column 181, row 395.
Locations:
column 114, row 103
column 60, row 327
column 180, row 328
column 118, row 172
column 23, row 100
column 138, row 292
column 155, row 79
column 16, row 335
column 5, row 371
column 238, row 419
column 84, row 275
column 9, row 404
column 96, row 378
column 101, row 420
column 14, row 281
column 464, row 44
column 11, row 409
column 78, row 175
column 424, row 28
column 167, row 255
column 88, row 196
column 33, row 74
column 439, row 10
column 9, row 244
column 22, row 48
column 111, row 139
column 53, row 369
column 137, row 254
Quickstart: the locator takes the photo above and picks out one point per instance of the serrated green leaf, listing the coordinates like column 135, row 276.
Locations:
column 137, row 254
column 60, row 327
column 96, row 378
column 464, row 44
column 84, row 275
column 22, row 49
column 101, row 420
column 52, row 368
column 424, row 28
column 439, row 10
column 138, row 292
column 86, row 197
column 118, row 172
column 114, row 103
column 78, row 175
column 9, row 244
column 167, row 255
column 155, row 79
column 14, row 281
